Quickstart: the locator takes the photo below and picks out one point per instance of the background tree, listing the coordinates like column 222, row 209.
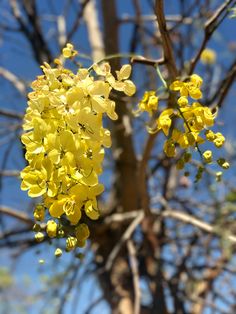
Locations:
column 163, row 244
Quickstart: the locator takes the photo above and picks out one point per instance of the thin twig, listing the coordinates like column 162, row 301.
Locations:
column 11, row 114
column 190, row 219
column 147, row 61
column 90, row 15
column 9, row 173
column 126, row 235
column 211, row 24
column 61, row 27
column 119, row 217
column 16, row 214
column 77, row 20
column 223, row 89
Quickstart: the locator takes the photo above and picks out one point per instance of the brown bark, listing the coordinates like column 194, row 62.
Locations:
column 116, row 282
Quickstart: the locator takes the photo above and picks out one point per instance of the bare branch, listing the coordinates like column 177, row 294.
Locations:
column 77, row 20
column 186, row 218
column 14, row 80
column 211, row 24
column 16, row 214
column 224, row 87
column 166, row 41
column 147, row 61
column 126, row 235
column 11, row 114
column 61, row 26
column 9, row 173
column 94, row 32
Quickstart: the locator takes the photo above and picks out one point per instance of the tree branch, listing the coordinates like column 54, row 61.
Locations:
column 16, row 214
column 166, row 41
column 14, row 80
column 11, row 114
column 211, row 24
column 126, row 235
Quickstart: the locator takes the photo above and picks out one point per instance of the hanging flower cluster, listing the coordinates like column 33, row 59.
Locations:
column 187, row 124
column 65, row 140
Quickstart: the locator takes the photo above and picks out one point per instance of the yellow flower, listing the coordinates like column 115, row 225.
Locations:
column 188, row 139
column 68, row 205
column 122, row 83
column 195, row 119
column 208, row 56
column 37, row 181
column 196, row 80
column 219, row 140
column 210, row 135
column 149, row 103
column 164, row 121
column 69, row 51
column 190, row 88
column 183, row 101
column 91, row 209
column 124, row 72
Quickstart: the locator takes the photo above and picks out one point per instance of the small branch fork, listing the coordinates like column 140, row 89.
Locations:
column 211, row 24
column 167, row 213
column 125, row 237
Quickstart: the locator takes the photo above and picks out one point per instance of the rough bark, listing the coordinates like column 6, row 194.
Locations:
column 116, row 282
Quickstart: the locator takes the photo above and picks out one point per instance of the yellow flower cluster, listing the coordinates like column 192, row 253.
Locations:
column 188, row 121
column 148, row 103
column 65, row 139
column 69, row 51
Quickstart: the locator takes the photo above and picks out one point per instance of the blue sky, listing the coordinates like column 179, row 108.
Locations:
column 17, row 57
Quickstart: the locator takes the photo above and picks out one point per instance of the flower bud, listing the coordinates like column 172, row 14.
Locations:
column 39, row 236
column 58, row 252
column 180, row 164
column 71, row 243
column 223, row 163
column 218, row 176
column 39, row 212
column 51, row 228
column 207, row 155
column 82, row 232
